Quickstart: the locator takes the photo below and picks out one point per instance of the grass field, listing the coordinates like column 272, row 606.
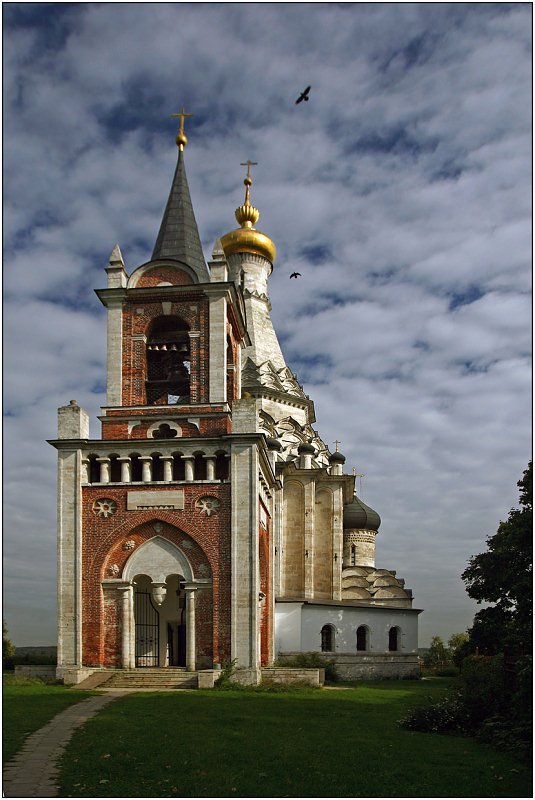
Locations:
column 323, row 743
column 27, row 706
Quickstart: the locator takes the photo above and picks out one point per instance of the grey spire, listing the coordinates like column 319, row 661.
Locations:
column 178, row 238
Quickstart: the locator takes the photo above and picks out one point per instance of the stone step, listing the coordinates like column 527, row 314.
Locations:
column 169, row 686
column 147, row 678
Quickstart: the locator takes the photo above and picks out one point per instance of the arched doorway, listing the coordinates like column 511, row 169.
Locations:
column 163, row 605
column 160, row 628
column 147, row 624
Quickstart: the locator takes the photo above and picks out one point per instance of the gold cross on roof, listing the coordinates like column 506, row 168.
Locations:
column 248, row 164
column 182, row 115
column 181, row 138
column 337, row 442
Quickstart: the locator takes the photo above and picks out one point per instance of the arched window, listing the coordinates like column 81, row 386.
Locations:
column 394, row 639
column 179, row 468
column 157, row 467
column 115, row 469
column 221, row 466
column 200, row 467
column 94, row 469
column 353, row 552
column 362, row 637
column 327, row 639
column 168, row 361
column 135, row 467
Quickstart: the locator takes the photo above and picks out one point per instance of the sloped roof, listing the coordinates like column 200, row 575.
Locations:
column 179, row 238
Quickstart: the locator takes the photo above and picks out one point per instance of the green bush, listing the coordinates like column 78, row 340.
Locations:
column 448, row 715
column 311, row 660
column 482, row 707
column 223, row 680
column 482, row 682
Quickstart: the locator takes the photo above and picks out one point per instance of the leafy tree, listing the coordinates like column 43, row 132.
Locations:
column 502, row 575
column 458, row 647
column 437, row 652
column 8, row 649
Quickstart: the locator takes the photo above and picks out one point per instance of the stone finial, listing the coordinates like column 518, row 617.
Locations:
column 218, row 253
column 116, row 258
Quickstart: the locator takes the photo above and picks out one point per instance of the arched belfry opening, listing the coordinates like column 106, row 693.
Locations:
column 168, row 361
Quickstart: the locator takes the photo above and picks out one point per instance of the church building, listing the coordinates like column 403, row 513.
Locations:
column 210, row 523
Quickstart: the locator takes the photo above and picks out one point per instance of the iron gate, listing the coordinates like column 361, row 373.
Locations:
column 147, row 630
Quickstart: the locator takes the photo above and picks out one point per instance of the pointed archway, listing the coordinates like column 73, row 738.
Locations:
column 163, row 613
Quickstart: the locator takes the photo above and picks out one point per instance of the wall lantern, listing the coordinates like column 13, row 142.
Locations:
column 159, row 591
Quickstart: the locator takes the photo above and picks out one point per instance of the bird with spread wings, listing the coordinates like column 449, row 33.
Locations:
column 303, row 96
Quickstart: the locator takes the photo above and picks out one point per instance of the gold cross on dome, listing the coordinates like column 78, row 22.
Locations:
column 248, row 164
column 182, row 115
column 337, row 442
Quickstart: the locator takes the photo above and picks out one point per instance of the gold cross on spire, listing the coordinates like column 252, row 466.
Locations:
column 248, row 164
column 248, row 180
column 337, row 442
column 181, row 138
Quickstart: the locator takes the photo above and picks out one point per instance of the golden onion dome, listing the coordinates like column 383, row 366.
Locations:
column 247, row 239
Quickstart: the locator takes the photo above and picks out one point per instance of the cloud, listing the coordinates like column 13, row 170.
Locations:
column 401, row 192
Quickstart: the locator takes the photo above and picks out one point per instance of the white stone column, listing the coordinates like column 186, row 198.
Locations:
column 210, row 468
column 190, row 627
column 189, row 464
column 126, row 468
column 167, row 468
column 104, row 469
column 115, row 352
column 126, row 627
column 84, row 474
column 217, row 327
column 146, row 468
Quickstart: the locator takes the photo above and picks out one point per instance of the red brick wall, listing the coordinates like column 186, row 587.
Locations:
column 103, row 540
column 158, row 275
column 211, row 426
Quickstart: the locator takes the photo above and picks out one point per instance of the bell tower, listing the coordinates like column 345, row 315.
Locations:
column 164, row 472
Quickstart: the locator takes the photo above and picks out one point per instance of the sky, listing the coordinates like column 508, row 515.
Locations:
column 401, row 192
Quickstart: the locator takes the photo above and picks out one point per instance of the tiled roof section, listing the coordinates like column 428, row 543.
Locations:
column 179, row 236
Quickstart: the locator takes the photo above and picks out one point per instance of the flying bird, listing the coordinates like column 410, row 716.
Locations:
column 295, row 274
column 303, row 96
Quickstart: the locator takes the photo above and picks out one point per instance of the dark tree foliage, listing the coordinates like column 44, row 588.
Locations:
column 502, row 575
column 8, row 649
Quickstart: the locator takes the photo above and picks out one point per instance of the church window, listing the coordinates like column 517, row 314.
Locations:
column 221, row 467
column 362, row 638
column 179, row 468
column 94, row 469
column 157, row 467
column 393, row 639
column 115, row 469
column 327, row 639
column 353, row 555
column 168, row 361
column 136, row 468
column 164, row 431
column 200, row 467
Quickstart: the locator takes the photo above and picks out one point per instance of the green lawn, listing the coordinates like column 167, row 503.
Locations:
column 334, row 743
column 30, row 705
